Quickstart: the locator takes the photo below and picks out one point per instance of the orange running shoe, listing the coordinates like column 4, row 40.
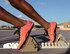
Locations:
column 51, row 31
column 24, row 32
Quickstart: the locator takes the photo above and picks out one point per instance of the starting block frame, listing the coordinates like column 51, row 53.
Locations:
column 60, row 42
column 54, row 45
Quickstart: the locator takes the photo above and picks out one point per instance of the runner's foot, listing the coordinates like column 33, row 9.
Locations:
column 51, row 30
column 24, row 32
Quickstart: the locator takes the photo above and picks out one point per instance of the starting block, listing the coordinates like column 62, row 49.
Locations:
column 60, row 42
column 30, row 45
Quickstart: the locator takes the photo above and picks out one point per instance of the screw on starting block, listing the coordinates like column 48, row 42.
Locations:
column 30, row 45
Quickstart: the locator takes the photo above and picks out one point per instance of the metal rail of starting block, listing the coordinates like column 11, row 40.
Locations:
column 54, row 45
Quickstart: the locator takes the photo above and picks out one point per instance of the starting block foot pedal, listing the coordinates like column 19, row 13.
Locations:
column 30, row 45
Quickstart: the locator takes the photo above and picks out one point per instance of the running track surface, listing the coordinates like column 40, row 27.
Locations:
column 38, row 35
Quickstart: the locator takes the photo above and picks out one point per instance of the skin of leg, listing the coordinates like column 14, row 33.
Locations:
column 28, row 10
column 6, row 16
